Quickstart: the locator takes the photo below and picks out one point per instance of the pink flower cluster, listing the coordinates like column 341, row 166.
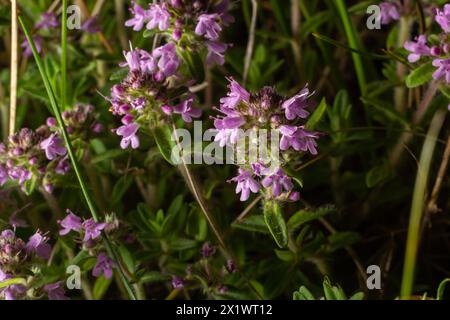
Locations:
column 193, row 24
column 437, row 47
column 240, row 110
column 31, row 156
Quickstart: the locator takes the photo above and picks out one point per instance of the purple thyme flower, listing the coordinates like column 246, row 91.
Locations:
column 187, row 111
column 20, row 174
column 103, row 266
column 216, row 52
column 26, row 47
column 132, row 60
column 53, row 147
column 92, row 229
column 128, row 133
column 295, row 106
column 443, row 18
column 208, row 250
column 235, row 95
column 245, row 184
column 177, row 282
column 207, row 25
column 11, row 292
column 3, row 175
column 63, row 166
column 55, row 291
column 417, row 48
column 168, row 61
column 158, row 15
column 38, row 244
column 443, row 70
column 279, row 182
column 48, row 20
column 91, row 25
column 389, row 12
column 69, row 223
column 140, row 17
column 298, row 138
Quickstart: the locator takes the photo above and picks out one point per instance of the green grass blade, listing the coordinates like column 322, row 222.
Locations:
column 354, row 43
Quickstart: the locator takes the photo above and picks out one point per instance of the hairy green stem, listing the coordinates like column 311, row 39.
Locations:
column 72, row 156
column 418, row 203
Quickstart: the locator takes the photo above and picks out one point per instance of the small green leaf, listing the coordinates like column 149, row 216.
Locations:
column 165, row 143
column 275, row 222
column 440, row 291
column 153, row 276
column 377, row 175
column 100, row 287
column 317, row 115
column 252, row 223
column 357, row 296
column 303, row 294
column 421, row 75
column 10, row 282
column 303, row 216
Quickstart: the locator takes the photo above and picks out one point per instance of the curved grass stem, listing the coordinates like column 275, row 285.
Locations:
column 418, row 203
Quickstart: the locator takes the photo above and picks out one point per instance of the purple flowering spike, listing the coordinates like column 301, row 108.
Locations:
column 128, row 133
column 245, row 184
column 443, row 18
column 55, row 291
column 235, row 95
column 216, row 52
column 26, row 47
column 103, row 266
column 53, row 147
column 140, row 17
column 298, row 138
column 279, row 182
column 158, row 15
column 69, row 223
column 207, row 25
column 38, row 244
column 92, row 229
column 187, row 111
column 295, row 106
column 417, row 48
column 168, row 61
column 48, row 20
column 443, row 70
column 389, row 12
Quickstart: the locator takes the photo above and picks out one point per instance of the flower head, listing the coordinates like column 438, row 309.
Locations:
column 128, row 133
column 389, row 12
column 140, row 17
column 55, row 291
column 417, row 48
column 298, row 138
column 279, row 182
column 207, row 25
column 53, row 147
column 443, row 18
column 187, row 111
column 38, row 244
column 245, row 184
column 92, row 230
column 296, row 106
column 158, row 16
column 104, row 266
column 48, row 20
column 443, row 70
column 69, row 223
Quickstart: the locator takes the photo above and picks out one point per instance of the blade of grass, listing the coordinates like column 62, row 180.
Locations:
column 354, row 42
column 71, row 153
column 418, row 203
column 14, row 68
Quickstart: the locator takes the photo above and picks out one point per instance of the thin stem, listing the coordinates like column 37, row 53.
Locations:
column 251, row 40
column 72, row 156
column 64, row 55
column 14, row 67
column 432, row 204
column 354, row 43
column 418, row 203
